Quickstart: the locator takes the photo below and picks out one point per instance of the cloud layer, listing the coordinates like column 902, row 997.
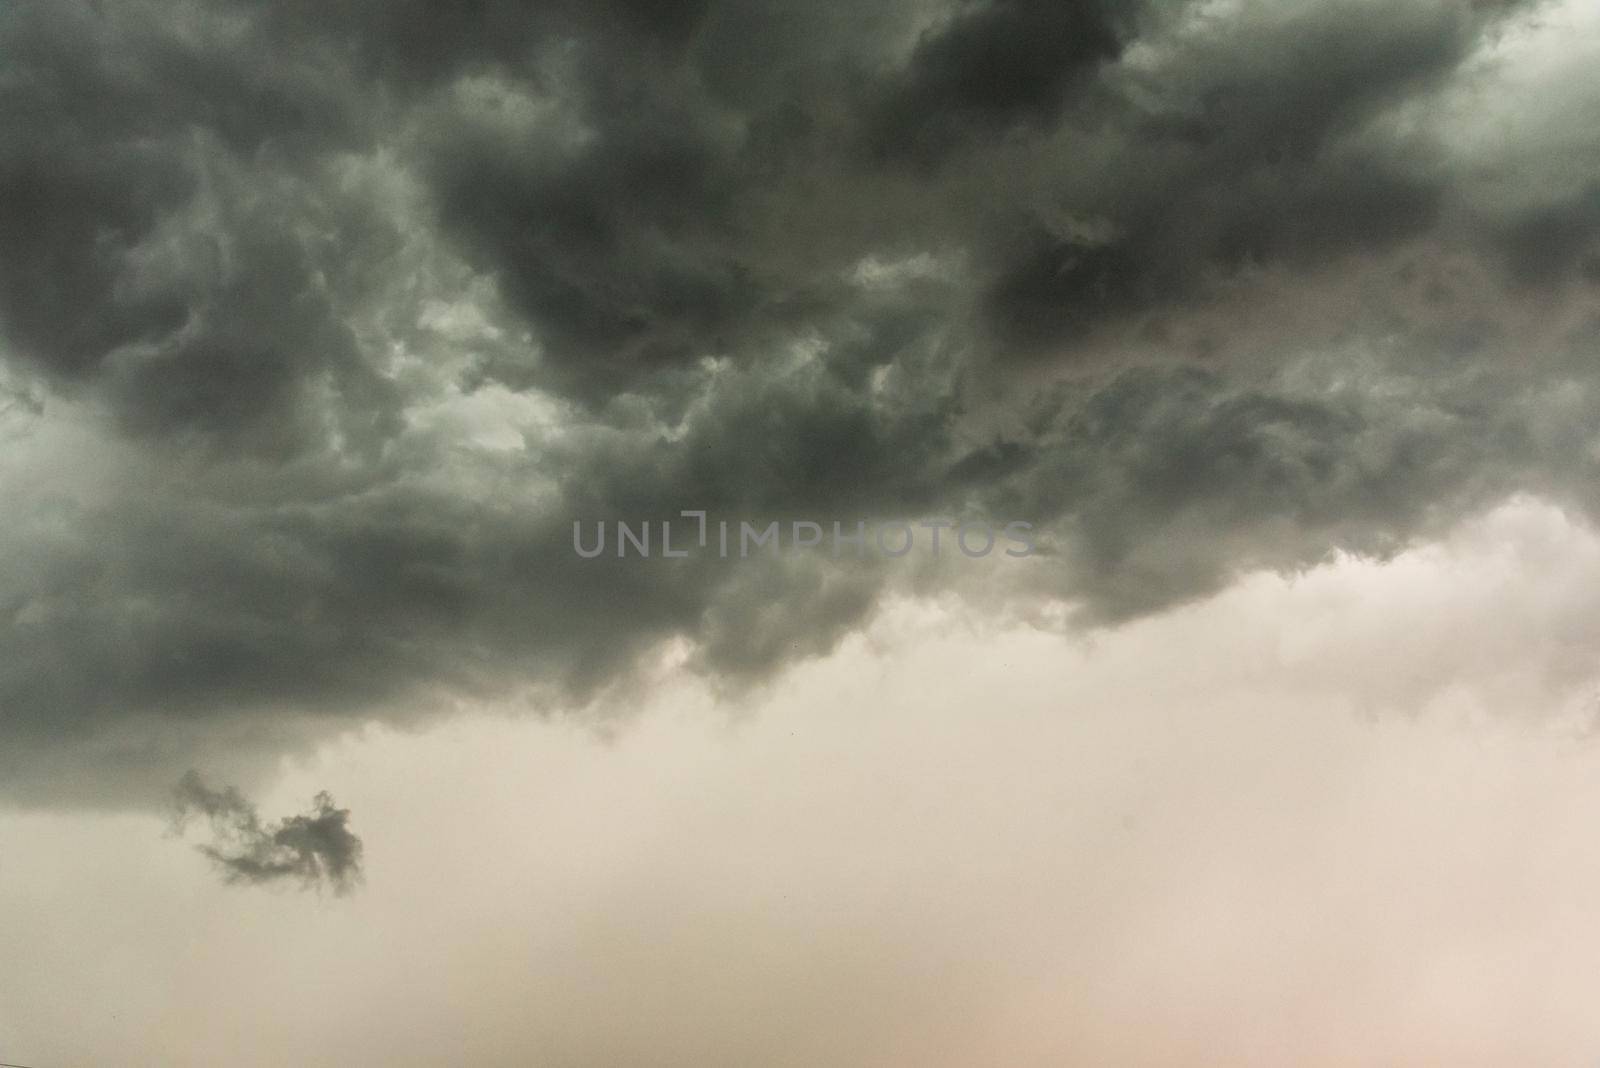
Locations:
column 324, row 322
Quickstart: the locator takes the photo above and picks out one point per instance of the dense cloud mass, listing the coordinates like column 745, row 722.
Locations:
column 320, row 324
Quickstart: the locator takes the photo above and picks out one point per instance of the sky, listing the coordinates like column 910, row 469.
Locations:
column 330, row 332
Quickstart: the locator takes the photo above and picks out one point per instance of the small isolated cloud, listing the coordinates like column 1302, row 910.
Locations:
column 316, row 848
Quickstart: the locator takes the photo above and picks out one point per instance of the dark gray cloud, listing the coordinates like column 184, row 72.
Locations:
column 1245, row 145
column 325, row 321
column 990, row 68
column 313, row 849
column 160, row 228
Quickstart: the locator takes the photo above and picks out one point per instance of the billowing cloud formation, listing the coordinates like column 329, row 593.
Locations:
column 326, row 321
column 314, row 849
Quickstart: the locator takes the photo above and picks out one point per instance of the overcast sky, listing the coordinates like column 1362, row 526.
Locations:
column 322, row 324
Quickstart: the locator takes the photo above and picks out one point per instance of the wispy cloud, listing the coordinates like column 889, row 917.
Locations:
column 316, row 848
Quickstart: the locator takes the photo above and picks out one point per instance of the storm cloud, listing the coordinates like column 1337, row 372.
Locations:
column 325, row 321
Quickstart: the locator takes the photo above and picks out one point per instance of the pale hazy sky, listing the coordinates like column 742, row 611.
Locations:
column 1342, row 819
column 322, row 323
